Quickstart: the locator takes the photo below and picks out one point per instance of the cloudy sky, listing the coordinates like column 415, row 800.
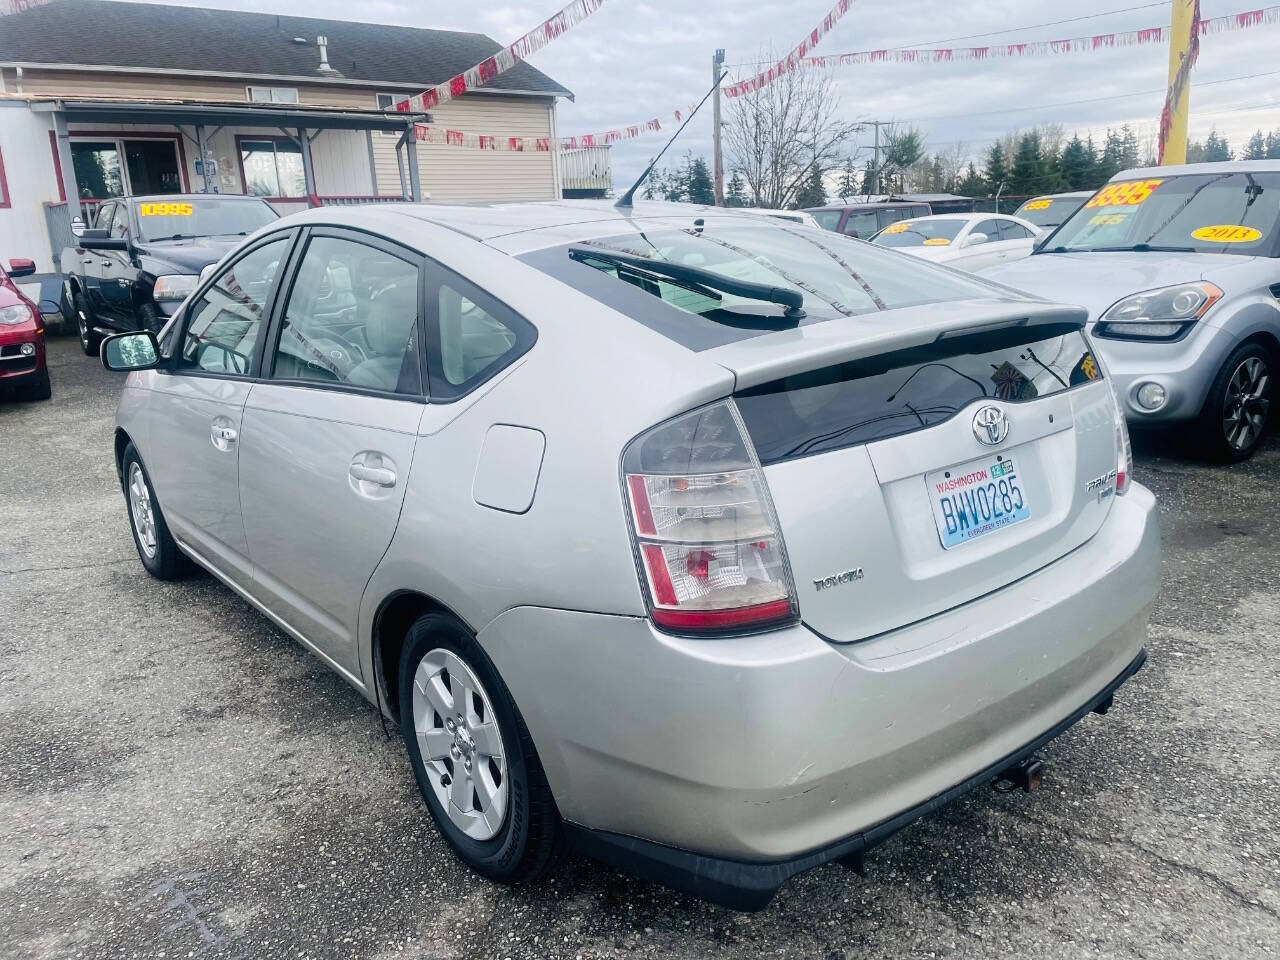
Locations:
column 637, row 59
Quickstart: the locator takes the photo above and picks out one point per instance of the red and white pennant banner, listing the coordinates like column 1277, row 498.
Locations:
column 789, row 62
column 502, row 61
column 1103, row 41
column 792, row 59
column 18, row 6
column 425, row 133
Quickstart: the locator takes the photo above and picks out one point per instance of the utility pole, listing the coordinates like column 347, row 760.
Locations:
column 1183, row 46
column 875, row 159
column 717, row 61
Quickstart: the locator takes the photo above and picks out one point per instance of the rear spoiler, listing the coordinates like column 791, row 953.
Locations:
column 758, row 360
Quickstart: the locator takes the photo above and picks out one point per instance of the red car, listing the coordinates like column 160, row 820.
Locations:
column 22, row 362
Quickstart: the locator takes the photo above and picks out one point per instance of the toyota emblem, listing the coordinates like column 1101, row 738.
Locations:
column 990, row 425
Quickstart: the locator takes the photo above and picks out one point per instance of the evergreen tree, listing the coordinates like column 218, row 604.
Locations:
column 1076, row 164
column 1129, row 153
column 697, row 179
column 868, row 178
column 1256, row 148
column 1273, row 144
column 812, row 192
column 1028, row 174
column 1216, row 148
column 997, row 171
column 972, row 184
column 737, row 194
column 1112, row 160
column 848, row 185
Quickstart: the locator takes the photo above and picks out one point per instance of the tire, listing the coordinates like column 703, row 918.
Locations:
column 1237, row 410
column 156, row 548
column 38, row 389
column 149, row 318
column 519, row 844
column 90, row 342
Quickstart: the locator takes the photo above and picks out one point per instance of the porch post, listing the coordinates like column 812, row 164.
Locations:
column 411, row 149
column 404, row 186
column 308, row 173
column 204, row 158
column 74, row 206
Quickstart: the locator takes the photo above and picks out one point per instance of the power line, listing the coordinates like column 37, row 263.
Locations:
column 997, row 33
column 1073, row 103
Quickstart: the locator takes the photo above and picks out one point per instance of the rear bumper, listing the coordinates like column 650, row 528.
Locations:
column 775, row 752
column 750, row 886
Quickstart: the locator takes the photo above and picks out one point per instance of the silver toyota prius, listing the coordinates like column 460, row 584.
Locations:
column 1179, row 268
column 714, row 546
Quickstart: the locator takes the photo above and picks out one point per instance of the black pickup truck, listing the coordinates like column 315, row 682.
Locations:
column 143, row 256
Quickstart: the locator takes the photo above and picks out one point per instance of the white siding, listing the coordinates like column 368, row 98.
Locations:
column 29, row 172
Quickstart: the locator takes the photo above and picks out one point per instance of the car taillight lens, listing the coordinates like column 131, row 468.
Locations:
column 706, row 537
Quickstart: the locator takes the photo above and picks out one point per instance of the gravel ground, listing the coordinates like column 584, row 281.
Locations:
column 179, row 779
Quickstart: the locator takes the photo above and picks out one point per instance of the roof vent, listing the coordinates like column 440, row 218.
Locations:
column 300, row 41
column 325, row 68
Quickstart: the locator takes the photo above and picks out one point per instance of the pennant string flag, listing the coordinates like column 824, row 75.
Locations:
column 1104, row 41
column 794, row 58
column 502, row 61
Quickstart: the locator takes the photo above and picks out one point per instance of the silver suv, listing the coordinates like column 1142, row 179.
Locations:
column 1179, row 268
column 717, row 547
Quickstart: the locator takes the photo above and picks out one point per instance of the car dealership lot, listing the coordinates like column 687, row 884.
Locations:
column 179, row 777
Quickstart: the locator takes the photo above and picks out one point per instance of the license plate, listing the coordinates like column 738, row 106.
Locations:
column 976, row 498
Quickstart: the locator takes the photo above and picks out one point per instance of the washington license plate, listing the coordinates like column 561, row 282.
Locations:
column 976, row 498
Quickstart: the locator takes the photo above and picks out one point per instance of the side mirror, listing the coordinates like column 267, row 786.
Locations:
column 102, row 240
column 124, row 352
column 21, row 267
column 976, row 238
column 77, row 227
column 206, row 272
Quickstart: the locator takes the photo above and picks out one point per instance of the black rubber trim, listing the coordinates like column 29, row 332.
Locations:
column 740, row 885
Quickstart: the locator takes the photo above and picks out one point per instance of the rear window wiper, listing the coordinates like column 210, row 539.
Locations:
column 792, row 300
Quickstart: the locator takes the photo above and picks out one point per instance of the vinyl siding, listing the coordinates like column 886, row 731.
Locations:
column 341, row 157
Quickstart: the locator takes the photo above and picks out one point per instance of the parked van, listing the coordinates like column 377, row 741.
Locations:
column 863, row 220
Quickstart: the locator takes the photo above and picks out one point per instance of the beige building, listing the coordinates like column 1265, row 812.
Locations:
column 102, row 99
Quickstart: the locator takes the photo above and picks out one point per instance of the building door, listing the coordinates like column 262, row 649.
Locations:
column 153, row 166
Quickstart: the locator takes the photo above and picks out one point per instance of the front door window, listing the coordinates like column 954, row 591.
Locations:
column 97, row 166
column 124, row 167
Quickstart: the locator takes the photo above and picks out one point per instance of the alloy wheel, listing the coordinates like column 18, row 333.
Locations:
column 144, row 519
column 461, row 745
column 1246, row 404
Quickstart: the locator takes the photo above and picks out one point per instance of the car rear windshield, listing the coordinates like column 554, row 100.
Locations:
column 837, row 278
column 894, row 393
column 201, row 217
column 1195, row 213
column 919, row 233
column 1049, row 211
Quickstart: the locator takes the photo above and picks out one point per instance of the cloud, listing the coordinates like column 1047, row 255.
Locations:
column 638, row 59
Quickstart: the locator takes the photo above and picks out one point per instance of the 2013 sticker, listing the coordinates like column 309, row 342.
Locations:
column 897, row 227
column 936, row 242
column 1227, row 233
column 159, row 209
column 1039, row 205
column 1128, row 193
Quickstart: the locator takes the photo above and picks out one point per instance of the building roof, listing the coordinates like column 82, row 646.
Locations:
column 159, row 38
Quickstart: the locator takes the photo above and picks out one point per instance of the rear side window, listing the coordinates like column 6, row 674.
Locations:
column 861, row 225
column 895, row 393
column 1012, row 231
column 473, row 335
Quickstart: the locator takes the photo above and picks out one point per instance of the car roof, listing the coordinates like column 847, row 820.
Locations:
column 1060, row 196
column 877, row 205
column 1186, row 169
column 170, row 197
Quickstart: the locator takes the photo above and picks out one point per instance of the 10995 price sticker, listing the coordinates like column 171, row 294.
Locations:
column 159, row 209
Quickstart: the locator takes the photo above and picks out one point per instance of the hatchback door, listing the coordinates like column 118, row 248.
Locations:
column 909, row 482
column 195, row 421
column 329, row 434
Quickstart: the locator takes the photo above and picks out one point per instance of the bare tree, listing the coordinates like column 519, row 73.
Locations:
column 779, row 134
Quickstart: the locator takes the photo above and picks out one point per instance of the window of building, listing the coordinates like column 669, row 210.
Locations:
column 273, row 94
column 98, row 168
column 273, row 168
column 388, row 101
column 126, row 167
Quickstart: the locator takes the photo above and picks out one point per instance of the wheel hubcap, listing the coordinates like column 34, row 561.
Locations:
column 144, row 520
column 461, row 745
column 1247, row 403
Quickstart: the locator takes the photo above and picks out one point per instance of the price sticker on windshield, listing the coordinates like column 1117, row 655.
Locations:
column 1108, row 219
column 1129, row 193
column 937, row 242
column 897, row 227
column 165, row 210
column 1227, row 233
column 1039, row 205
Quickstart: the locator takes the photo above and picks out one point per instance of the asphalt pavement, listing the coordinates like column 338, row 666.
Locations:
column 179, row 779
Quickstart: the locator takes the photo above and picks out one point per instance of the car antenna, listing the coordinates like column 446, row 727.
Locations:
column 625, row 200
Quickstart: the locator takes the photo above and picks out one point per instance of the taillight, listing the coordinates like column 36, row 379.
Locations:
column 1124, row 451
column 706, row 538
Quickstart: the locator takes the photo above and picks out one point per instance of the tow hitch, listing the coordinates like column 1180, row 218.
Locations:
column 1025, row 775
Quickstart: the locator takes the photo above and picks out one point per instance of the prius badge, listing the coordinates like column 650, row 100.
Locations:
column 990, row 425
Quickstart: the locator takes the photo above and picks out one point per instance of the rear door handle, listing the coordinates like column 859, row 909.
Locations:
column 223, row 436
column 380, row 476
